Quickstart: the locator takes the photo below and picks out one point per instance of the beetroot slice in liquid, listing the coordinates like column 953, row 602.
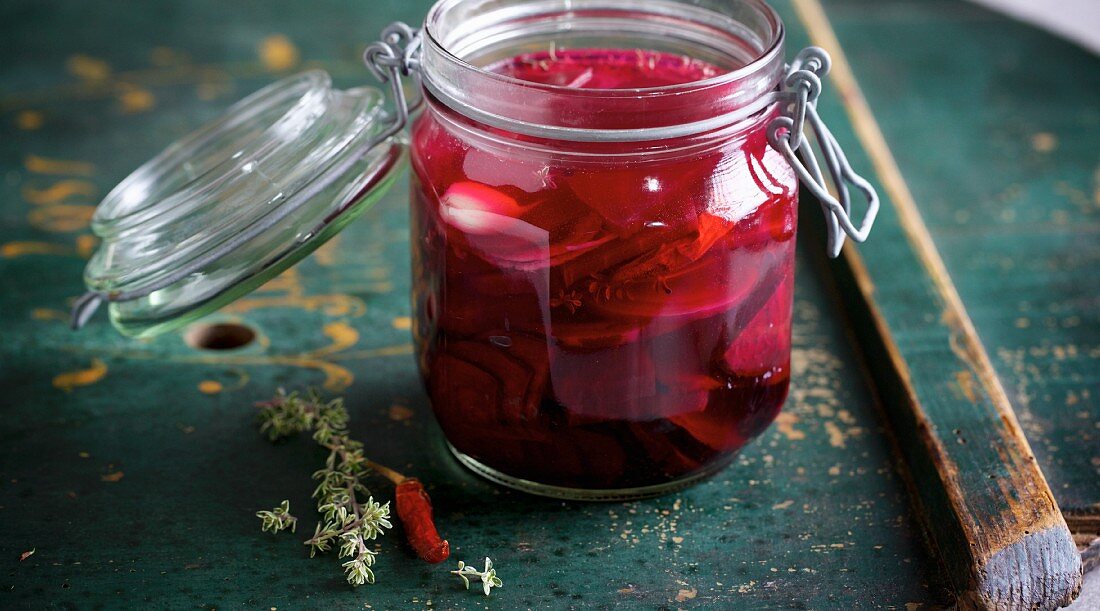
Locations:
column 636, row 296
column 498, row 227
column 521, row 382
column 765, row 340
column 604, row 68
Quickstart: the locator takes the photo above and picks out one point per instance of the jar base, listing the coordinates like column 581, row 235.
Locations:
column 586, row 494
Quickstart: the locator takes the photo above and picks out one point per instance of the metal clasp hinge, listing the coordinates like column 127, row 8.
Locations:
column 396, row 55
column 785, row 133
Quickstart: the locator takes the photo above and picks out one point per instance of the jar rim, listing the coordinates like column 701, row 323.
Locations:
column 774, row 48
column 747, row 34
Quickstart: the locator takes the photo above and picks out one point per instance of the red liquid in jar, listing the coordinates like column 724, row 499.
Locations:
column 601, row 324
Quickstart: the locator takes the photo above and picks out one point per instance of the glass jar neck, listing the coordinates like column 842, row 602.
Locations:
column 743, row 38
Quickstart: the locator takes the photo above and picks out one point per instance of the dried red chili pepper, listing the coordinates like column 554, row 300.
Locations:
column 414, row 509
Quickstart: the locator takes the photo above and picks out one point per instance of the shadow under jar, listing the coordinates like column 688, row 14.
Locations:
column 603, row 238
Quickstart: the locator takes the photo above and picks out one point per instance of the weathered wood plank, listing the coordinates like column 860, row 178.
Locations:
column 994, row 519
column 994, row 124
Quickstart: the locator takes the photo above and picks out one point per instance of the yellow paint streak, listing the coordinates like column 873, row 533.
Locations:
column 343, row 336
column 836, row 436
column 785, row 422
column 151, row 77
column 285, row 290
column 337, row 378
column 166, row 56
column 402, row 323
column 61, row 218
column 29, row 120
column 1096, row 187
column 685, row 595
column 58, row 192
column 45, row 165
column 88, row 68
column 398, row 350
column 210, row 387
column 85, row 245
column 21, row 249
column 1044, row 142
column 115, row 476
column 330, row 305
column 81, row 377
column 48, row 314
column 1075, row 196
column 133, row 99
column 326, row 253
column 212, row 89
column 277, row 53
column 969, row 389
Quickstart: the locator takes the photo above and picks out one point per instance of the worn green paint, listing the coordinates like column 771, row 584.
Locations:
column 178, row 526
column 804, row 518
column 1004, row 542
column 1011, row 195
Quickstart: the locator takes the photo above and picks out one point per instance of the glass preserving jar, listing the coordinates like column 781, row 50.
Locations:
column 604, row 202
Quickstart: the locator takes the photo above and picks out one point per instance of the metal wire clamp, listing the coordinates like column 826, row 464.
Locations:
column 785, row 133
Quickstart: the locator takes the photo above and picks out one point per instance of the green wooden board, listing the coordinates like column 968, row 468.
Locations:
column 1011, row 195
column 813, row 515
column 981, row 490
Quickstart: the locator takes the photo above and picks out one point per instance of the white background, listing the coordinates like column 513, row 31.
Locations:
column 1077, row 20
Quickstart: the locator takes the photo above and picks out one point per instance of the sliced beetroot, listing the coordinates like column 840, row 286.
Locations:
column 670, row 448
column 604, row 384
column 476, row 301
column 598, row 262
column 630, row 196
column 437, row 155
column 773, row 221
column 471, row 393
column 574, row 230
column 496, row 226
column 604, row 68
column 701, row 288
column 599, row 322
column 521, row 375
column 676, row 276
column 626, row 383
column 594, row 335
column 497, row 168
column 711, row 428
column 764, row 342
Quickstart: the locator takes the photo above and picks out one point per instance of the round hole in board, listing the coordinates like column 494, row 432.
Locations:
column 219, row 336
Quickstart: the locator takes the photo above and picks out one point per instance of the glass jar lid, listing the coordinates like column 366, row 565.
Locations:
column 228, row 207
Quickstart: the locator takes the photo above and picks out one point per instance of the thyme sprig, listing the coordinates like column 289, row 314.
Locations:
column 278, row 519
column 346, row 521
column 488, row 577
